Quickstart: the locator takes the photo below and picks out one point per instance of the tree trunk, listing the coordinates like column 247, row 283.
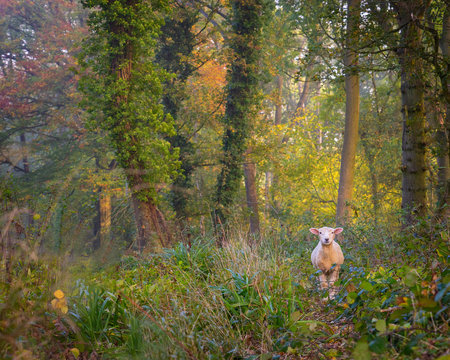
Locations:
column 96, row 226
column 373, row 177
column 443, row 128
column 301, row 105
column 103, row 222
column 26, row 164
column 305, row 91
column 247, row 19
column 252, row 197
column 267, row 187
column 279, row 101
column 26, row 169
column 345, row 194
column 414, row 190
column 152, row 230
column 271, row 178
column 7, row 243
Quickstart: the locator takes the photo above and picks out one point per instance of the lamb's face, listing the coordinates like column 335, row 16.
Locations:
column 326, row 234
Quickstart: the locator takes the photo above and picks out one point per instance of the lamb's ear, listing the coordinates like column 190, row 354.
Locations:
column 338, row 230
column 314, row 231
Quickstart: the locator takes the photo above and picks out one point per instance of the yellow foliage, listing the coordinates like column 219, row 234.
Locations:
column 60, row 302
column 75, row 352
column 58, row 294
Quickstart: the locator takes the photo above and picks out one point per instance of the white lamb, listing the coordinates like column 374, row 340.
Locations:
column 326, row 254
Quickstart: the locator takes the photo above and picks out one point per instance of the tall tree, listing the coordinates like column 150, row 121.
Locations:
column 410, row 14
column 443, row 129
column 347, row 173
column 123, row 100
column 175, row 52
column 247, row 19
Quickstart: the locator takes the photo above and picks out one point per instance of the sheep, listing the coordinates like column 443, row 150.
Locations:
column 325, row 255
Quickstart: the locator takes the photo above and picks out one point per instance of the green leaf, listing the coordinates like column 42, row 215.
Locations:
column 411, row 278
column 361, row 351
column 366, row 285
column 351, row 297
column 380, row 325
column 378, row 345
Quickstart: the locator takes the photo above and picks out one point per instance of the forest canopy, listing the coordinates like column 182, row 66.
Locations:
column 162, row 163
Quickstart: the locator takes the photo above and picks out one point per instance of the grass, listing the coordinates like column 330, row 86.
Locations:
column 239, row 302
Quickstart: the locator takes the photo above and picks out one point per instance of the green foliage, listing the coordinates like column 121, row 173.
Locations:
column 235, row 302
column 123, row 88
column 243, row 102
column 196, row 300
column 176, row 44
column 198, row 259
column 394, row 308
column 98, row 315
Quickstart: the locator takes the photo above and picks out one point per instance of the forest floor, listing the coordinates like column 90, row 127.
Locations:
column 235, row 302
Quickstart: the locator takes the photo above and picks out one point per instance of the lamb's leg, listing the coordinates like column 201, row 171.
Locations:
column 333, row 277
column 323, row 281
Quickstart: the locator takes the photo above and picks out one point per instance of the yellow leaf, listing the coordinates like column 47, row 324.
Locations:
column 291, row 351
column 75, row 352
column 64, row 309
column 58, row 294
column 36, row 216
column 60, row 303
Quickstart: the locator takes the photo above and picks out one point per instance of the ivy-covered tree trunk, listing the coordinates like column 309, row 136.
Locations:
column 247, row 18
column 123, row 100
column 175, row 50
column 414, row 167
column 347, row 174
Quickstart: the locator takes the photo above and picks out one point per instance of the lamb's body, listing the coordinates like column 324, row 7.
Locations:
column 323, row 257
column 327, row 257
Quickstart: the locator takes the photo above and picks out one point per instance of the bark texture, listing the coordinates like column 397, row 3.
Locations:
column 414, row 168
column 347, row 173
column 153, row 232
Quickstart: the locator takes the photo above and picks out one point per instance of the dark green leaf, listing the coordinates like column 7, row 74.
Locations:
column 378, row 345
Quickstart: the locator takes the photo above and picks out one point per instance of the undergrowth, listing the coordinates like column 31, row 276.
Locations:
column 236, row 302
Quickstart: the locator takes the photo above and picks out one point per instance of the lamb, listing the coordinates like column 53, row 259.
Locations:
column 325, row 255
